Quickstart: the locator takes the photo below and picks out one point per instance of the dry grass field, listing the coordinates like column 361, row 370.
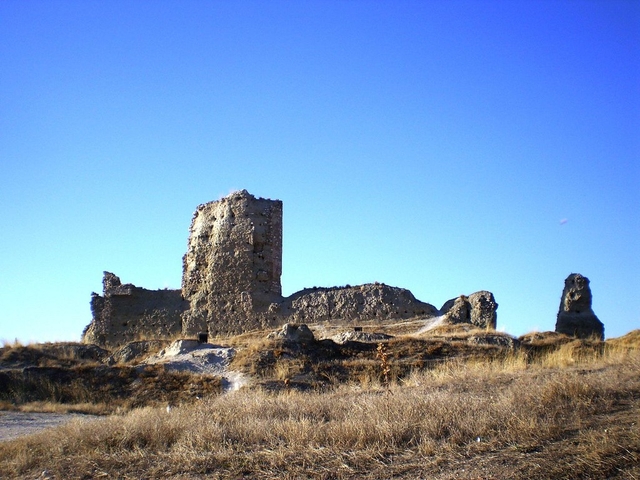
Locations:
column 561, row 409
column 52, row 377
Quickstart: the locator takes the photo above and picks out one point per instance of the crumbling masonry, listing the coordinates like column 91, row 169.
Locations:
column 231, row 284
column 232, row 268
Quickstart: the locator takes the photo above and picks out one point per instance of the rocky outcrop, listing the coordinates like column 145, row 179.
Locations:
column 479, row 309
column 483, row 309
column 456, row 310
column 124, row 313
column 369, row 302
column 575, row 316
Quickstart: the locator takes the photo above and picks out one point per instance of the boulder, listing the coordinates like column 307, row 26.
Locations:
column 366, row 337
column 294, row 333
column 494, row 339
column 457, row 310
column 483, row 309
column 478, row 309
column 136, row 350
column 575, row 316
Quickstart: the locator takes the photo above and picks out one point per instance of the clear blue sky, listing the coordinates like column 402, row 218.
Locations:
column 437, row 146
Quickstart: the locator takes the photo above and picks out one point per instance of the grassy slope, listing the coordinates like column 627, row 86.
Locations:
column 569, row 411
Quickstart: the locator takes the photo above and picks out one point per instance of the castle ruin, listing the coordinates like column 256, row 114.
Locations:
column 231, row 284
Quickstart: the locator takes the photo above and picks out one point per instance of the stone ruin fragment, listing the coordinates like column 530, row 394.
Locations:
column 478, row 309
column 126, row 313
column 231, row 284
column 575, row 316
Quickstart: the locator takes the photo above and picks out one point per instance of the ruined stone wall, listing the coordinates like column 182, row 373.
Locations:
column 232, row 268
column 231, row 284
column 124, row 313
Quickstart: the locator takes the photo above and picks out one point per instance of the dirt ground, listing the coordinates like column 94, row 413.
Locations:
column 17, row 424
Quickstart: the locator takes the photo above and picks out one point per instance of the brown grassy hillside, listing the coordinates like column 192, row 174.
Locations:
column 567, row 412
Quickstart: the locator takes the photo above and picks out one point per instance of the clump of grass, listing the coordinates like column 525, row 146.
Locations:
column 630, row 340
column 56, row 407
column 8, row 344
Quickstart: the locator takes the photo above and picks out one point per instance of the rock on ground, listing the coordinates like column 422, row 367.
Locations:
column 294, row 333
column 204, row 358
column 479, row 309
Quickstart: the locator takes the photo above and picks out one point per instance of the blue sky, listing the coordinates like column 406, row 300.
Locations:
column 437, row 146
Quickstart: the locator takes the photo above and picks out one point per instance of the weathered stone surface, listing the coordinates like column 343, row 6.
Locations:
column 498, row 340
column 367, row 337
column 457, row 310
column 136, row 350
column 125, row 313
column 575, row 316
column 294, row 333
column 483, row 309
column 479, row 309
column 373, row 301
column 232, row 268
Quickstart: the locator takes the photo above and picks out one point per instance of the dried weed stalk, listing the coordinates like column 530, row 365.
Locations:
column 385, row 367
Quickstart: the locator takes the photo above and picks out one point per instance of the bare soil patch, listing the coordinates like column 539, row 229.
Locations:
column 17, row 424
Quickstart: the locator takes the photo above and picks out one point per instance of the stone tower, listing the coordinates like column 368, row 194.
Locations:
column 231, row 271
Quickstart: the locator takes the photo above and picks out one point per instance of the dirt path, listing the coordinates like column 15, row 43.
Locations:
column 17, row 424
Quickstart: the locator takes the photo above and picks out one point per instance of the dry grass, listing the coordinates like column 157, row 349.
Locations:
column 630, row 340
column 107, row 389
column 10, row 343
column 275, row 363
column 572, row 415
column 56, row 407
column 62, row 354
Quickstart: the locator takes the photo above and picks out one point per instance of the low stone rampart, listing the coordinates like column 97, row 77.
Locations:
column 125, row 313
